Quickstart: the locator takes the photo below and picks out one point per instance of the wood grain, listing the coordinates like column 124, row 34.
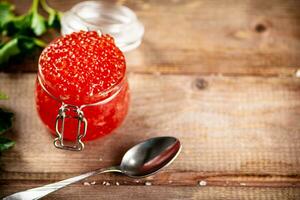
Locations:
column 209, row 37
column 99, row 191
column 219, row 75
column 233, row 131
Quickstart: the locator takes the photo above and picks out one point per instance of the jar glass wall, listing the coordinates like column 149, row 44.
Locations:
column 81, row 89
column 102, row 119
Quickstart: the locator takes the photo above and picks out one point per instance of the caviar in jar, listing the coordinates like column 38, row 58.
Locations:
column 83, row 71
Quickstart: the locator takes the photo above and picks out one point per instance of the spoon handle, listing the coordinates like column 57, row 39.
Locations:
column 39, row 192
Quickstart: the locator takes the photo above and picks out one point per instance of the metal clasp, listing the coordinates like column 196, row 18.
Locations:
column 59, row 140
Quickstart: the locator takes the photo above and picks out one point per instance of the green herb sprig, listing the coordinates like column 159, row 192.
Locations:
column 19, row 34
column 6, row 119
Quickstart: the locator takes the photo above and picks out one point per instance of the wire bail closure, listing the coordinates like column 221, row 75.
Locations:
column 79, row 115
column 59, row 140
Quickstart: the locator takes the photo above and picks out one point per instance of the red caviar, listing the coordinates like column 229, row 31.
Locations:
column 78, row 69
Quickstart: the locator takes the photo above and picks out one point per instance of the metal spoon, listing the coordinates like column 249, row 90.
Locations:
column 143, row 159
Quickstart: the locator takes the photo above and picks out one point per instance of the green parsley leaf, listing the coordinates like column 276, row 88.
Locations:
column 18, row 45
column 6, row 119
column 54, row 20
column 20, row 32
column 38, row 24
column 8, row 50
column 54, row 15
column 18, row 25
column 5, row 144
column 6, row 13
column 3, row 96
column 30, row 24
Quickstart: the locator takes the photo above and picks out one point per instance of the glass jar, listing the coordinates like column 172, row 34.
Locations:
column 81, row 89
column 108, row 17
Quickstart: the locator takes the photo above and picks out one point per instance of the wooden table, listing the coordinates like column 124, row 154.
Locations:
column 219, row 75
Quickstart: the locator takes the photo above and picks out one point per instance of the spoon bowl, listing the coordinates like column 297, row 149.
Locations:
column 148, row 157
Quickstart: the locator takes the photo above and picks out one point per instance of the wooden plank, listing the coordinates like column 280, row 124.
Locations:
column 210, row 37
column 155, row 192
column 233, row 130
column 165, row 178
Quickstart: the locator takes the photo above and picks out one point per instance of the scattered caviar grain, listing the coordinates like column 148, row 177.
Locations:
column 86, row 184
column 148, row 183
column 93, row 183
column 202, row 183
column 297, row 74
